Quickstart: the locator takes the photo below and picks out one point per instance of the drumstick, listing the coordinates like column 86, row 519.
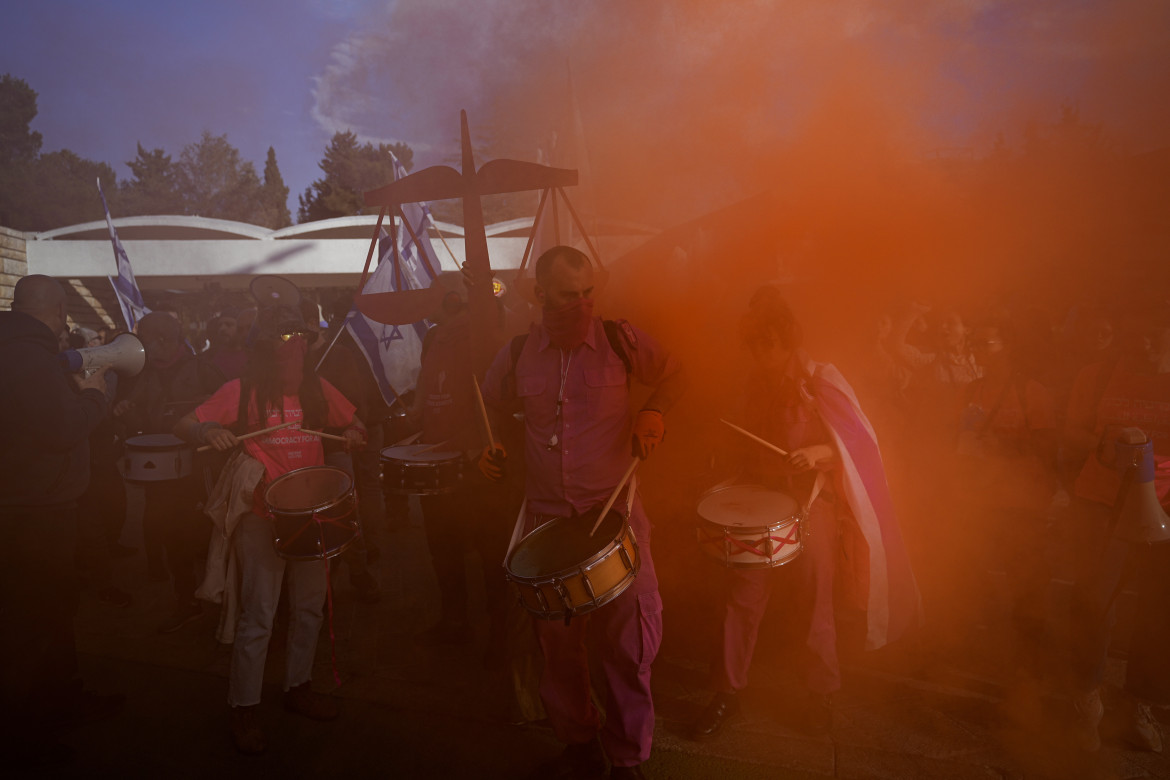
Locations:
column 254, row 433
column 324, row 435
column 429, row 447
column 487, row 425
column 755, row 438
column 613, row 497
column 408, row 440
column 516, row 531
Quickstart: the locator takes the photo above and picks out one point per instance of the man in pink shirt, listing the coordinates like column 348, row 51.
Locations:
column 572, row 384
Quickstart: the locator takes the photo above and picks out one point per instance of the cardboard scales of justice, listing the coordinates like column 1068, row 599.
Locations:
column 442, row 182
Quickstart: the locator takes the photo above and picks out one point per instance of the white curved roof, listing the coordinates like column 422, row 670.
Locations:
column 179, row 252
column 182, row 227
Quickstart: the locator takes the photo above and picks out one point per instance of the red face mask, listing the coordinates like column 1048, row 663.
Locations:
column 568, row 325
column 290, row 362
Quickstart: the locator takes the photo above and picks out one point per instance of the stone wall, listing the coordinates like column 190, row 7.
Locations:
column 14, row 261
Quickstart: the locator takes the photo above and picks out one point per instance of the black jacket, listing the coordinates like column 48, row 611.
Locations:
column 45, row 421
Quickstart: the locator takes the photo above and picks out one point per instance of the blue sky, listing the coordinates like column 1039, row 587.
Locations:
column 288, row 73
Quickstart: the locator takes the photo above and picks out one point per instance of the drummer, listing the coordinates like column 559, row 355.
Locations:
column 173, row 382
column 832, row 463
column 570, row 377
column 473, row 517
column 279, row 378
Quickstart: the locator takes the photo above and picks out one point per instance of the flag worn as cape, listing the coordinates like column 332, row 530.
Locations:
column 893, row 602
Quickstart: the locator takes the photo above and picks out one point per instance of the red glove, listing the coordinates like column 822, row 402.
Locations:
column 491, row 462
column 649, row 430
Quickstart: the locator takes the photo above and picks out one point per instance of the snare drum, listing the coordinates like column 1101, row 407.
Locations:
column 156, row 457
column 750, row 527
column 313, row 513
column 417, row 470
column 560, row 571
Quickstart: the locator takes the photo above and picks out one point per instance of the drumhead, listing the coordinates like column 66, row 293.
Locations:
column 413, row 453
column 307, row 489
column 563, row 543
column 155, row 441
column 747, row 506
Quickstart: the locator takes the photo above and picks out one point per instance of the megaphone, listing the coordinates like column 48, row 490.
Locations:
column 1141, row 518
column 125, row 354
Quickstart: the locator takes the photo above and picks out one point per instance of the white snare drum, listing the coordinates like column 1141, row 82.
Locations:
column 750, row 527
column 418, row 470
column 156, row 457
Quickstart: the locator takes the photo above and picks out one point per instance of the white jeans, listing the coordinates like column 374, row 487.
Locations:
column 263, row 571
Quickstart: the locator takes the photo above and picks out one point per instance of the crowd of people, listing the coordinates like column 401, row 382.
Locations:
column 1009, row 421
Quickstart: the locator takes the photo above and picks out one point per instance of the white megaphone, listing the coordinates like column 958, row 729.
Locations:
column 1140, row 517
column 124, row 354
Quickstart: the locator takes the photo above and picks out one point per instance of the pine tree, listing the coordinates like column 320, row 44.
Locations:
column 275, row 195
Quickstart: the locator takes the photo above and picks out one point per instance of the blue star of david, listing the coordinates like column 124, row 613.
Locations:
column 393, row 335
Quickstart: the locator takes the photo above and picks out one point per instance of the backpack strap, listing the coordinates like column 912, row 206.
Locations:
column 616, row 341
column 515, row 347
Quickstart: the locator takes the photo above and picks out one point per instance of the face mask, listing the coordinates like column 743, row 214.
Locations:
column 290, row 362
column 568, row 325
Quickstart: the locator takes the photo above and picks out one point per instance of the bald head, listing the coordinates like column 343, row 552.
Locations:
column 41, row 297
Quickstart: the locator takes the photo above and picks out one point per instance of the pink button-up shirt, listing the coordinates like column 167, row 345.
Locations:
column 575, row 458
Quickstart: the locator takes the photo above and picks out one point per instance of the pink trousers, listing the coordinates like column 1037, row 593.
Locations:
column 748, row 594
column 625, row 634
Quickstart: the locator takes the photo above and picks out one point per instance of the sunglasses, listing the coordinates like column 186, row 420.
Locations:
column 308, row 335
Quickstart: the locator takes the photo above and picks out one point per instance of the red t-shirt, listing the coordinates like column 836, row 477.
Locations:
column 284, row 450
column 1130, row 400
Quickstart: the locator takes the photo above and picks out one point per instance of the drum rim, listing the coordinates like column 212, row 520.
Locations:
column 309, row 558
column 453, row 456
column 307, row 510
column 796, row 515
column 604, row 552
column 796, row 518
column 177, row 445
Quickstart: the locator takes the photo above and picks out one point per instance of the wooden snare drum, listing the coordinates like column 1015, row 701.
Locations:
column 559, row 570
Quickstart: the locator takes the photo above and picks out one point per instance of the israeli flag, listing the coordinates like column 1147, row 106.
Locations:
column 394, row 351
column 125, row 287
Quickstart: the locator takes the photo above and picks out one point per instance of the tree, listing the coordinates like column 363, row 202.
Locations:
column 18, row 108
column 18, row 148
column 63, row 191
column 350, row 169
column 275, row 195
column 154, row 188
column 217, row 183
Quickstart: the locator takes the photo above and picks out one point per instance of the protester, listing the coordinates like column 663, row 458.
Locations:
column 279, row 384
column 1109, row 398
column 173, row 382
column 473, row 517
column 833, row 471
column 44, row 469
column 571, row 382
column 1007, row 451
